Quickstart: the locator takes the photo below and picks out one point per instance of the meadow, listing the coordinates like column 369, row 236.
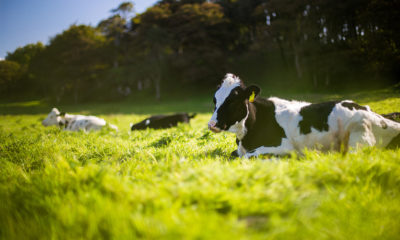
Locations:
column 180, row 183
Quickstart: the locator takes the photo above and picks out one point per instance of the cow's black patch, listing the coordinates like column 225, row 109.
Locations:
column 87, row 127
column 163, row 121
column 395, row 143
column 353, row 106
column 234, row 154
column 262, row 127
column 316, row 116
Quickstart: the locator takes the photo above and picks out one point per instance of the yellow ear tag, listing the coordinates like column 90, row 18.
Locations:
column 251, row 99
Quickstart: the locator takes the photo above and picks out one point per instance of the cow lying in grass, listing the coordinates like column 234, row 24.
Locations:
column 163, row 121
column 71, row 122
column 277, row 127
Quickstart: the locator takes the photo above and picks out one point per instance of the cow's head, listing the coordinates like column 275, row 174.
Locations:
column 231, row 103
column 54, row 118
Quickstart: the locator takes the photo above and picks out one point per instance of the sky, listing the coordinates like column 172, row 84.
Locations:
column 29, row 21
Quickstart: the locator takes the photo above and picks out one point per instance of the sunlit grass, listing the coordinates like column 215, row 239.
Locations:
column 180, row 183
column 22, row 104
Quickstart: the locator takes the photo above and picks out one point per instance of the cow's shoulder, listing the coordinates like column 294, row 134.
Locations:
column 290, row 105
column 287, row 113
column 262, row 127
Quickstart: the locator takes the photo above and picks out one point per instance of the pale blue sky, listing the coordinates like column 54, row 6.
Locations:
column 30, row 21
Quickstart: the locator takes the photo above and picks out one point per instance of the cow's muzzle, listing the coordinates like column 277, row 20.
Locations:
column 212, row 127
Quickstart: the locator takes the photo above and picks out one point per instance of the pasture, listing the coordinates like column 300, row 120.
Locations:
column 180, row 183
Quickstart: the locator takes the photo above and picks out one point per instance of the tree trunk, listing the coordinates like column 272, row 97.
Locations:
column 76, row 91
column 327, row 79
column 76, row 96
column 315, row 81
column 157, row 83
column 140, row 85
column 282, row 52
column 299, row 70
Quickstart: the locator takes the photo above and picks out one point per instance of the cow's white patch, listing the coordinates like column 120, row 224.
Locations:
column 239, row 127
column 147, row 122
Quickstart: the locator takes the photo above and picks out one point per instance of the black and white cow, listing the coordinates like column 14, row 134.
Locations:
column 72, row 122
column 163, row 121
column 276, row 126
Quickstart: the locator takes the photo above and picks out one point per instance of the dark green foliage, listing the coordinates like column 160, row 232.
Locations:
column 9, row 75
column 16, row 75
column 70, row 65
column 191, row 44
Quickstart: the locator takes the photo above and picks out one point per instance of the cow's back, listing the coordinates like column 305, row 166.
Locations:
column 306, row 125
column 166, row 121
column 378, row 130
column 86, row 123
column 329, row 125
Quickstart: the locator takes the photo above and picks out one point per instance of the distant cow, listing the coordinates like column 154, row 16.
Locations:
column 393, row 116
column 276, row 126
column 71, row 122
column 163, row 121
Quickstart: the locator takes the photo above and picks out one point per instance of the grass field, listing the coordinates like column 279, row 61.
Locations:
column 180, row 183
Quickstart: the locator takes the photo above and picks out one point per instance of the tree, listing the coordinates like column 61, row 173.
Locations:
column 189, row 40
column 116, row 28
column 24, row 55
column 124, row 9
column 25, row 82
column 69, row 65
column 9, row 75
column 151, row 45
column 379, row 38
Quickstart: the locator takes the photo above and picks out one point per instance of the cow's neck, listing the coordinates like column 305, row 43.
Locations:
column 239, row 128
column 64, row 121
column 251, row 116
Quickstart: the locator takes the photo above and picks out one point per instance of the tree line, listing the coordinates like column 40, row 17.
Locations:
column 191, row 44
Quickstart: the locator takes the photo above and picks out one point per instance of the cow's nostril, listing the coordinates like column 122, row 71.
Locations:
column 211, row 124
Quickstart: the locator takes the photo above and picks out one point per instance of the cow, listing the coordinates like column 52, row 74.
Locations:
column 274, row 126
column 71, row 122
column 163, row 121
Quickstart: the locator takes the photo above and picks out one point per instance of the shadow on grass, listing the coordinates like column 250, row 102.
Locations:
column 196, row 104
column 190, row 105
column 218, row 152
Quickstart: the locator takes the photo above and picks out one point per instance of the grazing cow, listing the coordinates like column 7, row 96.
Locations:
column 277, row 127
column 163, row 121
column 71, row 122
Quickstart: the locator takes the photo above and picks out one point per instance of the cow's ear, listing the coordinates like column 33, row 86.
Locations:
column 251, row 92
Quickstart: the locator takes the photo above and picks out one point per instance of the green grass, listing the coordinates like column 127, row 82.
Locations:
column 179, row 183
